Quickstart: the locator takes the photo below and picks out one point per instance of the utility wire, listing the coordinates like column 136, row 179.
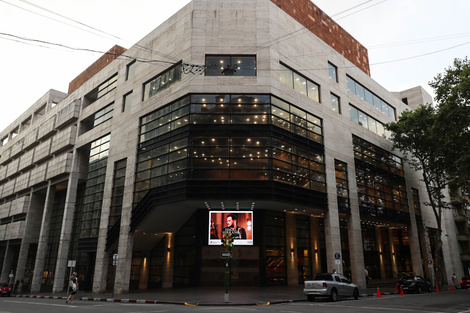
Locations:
column 92, row 30
column 370, row 6
column 352, row 8
column 421, row 55
column 30, row 40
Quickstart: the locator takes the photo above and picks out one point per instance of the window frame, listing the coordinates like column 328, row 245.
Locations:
column 233, row 64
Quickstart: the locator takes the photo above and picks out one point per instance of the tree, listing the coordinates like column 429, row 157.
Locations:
column 436, row 141
column 452, row 90
column 416, row 134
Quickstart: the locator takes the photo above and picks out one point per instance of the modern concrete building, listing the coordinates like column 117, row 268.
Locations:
column 262, row 108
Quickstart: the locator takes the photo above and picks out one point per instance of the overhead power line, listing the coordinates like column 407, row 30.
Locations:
column 31, row 40
column 84, row 27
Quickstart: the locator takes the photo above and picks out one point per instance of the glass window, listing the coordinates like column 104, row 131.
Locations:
column 162, row 81
column 107, row 86
column 313, row 91
column 372, row 124
column 377, row 103
column 103, row 115
column 230, row 65
column 300, row 84
column 380, row 129
column 285, row 76
column 246, row 65
column 369, row 97
column 363, row 119
column 391, row 112
column 130, row 70
column 334, row 101
column 332, row 72
column 227, row 157
column 360, row 91
column 353, row 114
column 127, row 102
column 351, row 84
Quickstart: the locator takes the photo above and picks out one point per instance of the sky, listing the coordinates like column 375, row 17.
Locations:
column 409, row 41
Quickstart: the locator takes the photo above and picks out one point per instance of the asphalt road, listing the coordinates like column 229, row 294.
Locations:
column 443, row 302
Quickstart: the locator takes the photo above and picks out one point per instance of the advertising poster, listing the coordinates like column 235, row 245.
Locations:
column 238, row 223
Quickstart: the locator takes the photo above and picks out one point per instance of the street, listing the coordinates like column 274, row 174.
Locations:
column 442, row 302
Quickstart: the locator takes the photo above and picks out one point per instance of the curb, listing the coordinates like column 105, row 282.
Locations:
column 141, row 301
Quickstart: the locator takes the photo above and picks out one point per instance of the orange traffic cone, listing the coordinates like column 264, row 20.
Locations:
column 401, row 291
column 379, row 295
column 451, row 288
column 396, row 289
column 437, row 288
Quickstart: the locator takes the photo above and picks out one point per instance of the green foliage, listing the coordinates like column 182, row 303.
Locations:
column 453, row 101
column 436, row 141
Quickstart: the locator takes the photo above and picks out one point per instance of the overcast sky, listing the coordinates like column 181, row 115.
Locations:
column 409, row 41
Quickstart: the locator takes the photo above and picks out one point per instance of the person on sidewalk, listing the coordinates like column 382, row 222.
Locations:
column 454, row 281
column 73, row 284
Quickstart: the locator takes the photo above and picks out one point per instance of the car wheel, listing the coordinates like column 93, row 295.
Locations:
column 334, row 295
column 356, row 294
column 311, row 298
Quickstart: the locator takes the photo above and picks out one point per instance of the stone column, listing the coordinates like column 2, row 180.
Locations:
column 378, row 236
column 356, row 249
column 7, row 266
column 333, row 237
column 393, row 253
column 43, row 239
column 315, row 244
column 61, row 272
column 168, row 262
column 33, row 226
column 414, row 239
column 102, row 256
column 332, row 226
column 291, row 250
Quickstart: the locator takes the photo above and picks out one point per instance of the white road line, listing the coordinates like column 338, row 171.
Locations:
column 39, row 303
column 378, row 308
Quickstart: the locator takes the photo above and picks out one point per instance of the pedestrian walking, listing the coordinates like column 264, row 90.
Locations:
column 73, row 284
column 454, row 280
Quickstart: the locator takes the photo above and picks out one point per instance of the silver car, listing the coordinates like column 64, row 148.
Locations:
column 331, row 285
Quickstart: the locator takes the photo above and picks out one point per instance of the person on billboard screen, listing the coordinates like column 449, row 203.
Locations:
column 237, row 232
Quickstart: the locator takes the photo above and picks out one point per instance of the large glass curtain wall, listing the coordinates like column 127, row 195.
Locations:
column 215, row 154
column 381, row 183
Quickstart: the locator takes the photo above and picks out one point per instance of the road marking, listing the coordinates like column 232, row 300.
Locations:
column 159, row 311
column 378, row 308
column 39, row 303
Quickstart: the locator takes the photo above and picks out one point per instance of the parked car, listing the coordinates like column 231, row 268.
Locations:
column 331, row 285
column 5, row 289
column 465, row 282
column 414, row 284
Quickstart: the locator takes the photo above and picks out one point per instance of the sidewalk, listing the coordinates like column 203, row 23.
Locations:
column 205, row 296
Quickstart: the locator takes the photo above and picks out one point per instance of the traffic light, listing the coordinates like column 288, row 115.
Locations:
column 227, row 241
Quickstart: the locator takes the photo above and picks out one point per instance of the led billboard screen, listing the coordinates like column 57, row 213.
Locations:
column 238, row 223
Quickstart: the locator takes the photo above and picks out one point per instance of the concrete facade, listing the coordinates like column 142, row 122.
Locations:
column 70, row 166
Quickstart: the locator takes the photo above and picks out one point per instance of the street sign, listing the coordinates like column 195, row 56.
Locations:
column 337, row 256
column 72, row 263
column 226, row 254
column 115, row 257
